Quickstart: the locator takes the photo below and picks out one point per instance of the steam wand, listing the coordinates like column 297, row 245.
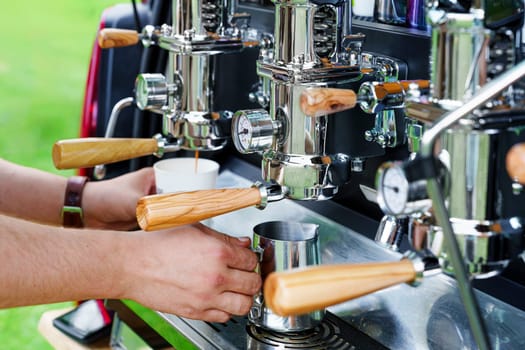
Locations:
column 490, row 90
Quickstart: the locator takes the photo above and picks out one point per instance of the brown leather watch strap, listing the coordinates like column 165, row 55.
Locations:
column 72, row 215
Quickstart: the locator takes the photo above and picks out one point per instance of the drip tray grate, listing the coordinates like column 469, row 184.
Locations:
column 327, row 335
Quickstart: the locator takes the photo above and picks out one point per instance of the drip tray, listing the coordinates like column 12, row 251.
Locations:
column 331, row 333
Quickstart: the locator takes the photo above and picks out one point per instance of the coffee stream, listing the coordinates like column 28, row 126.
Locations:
column 196, row 161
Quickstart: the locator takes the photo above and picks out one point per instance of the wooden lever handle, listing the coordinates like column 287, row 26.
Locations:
column 515, row 163
column 114, row 37
column 422, row 84
column 316, row 102
column 90, row 151
column 303, row 291
column 156, row 212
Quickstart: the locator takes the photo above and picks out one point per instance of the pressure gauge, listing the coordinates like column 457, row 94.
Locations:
column 151, row 91
column 392, row 188
column 244, row 133
column 398, row 196
column 252, row 130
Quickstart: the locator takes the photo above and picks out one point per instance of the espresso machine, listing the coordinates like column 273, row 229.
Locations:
column 183, row 97
column 448, row 197
column 314, row 160
column 292, row 142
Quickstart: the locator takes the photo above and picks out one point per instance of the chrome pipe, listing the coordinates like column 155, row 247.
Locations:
column 466, row 292
column 484, row 94
column 99, row 171
column 115, row 112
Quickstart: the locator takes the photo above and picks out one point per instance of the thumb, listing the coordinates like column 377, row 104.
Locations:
column 244, row 242
column 241, row 241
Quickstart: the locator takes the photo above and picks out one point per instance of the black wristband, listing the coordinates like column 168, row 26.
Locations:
column 72, row 215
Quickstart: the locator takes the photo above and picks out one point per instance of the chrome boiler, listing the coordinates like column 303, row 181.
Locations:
column 313, row 47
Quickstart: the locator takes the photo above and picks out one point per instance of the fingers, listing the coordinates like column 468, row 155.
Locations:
column 237, row 281
column 222, row 286
column 228, row 304
column 240, row 241
column 214, row 316
column 221, row 310
column 217, row 303
column 142, row 181
column 149, row 181
column 234, row 304
column 241, row 258
column 242, row 282
column 245, row 242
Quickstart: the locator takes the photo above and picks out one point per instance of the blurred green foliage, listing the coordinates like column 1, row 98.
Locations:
column 44, row 57
column 45, row 47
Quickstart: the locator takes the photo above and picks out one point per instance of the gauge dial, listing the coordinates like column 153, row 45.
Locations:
column 151, row 91
column 392, row 189
column 252, row 130
column 244, row 133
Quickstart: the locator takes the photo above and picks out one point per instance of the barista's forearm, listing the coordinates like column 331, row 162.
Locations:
column 44, row 264
column 30, row 193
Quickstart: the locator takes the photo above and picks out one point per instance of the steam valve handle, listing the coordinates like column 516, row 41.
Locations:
column 156, row 212
column 316, row 102
column 90, row 151
column 315, row 288
column 372, row 97
column 515, row 163
column 115, row 37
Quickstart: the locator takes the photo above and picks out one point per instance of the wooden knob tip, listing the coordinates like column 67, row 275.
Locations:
column 283, row 295
column 142, row 215
column 269, row 291
column 56, row 154
column 113, row 37
column 103, row 41
column 159, row 211
column 515, row 163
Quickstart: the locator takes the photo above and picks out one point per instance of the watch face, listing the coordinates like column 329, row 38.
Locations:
column 392, row 189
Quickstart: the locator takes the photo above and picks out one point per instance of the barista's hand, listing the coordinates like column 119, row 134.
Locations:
column 112, row 203
column 194, row 272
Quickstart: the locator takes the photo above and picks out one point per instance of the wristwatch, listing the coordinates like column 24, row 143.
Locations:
column 72, row 215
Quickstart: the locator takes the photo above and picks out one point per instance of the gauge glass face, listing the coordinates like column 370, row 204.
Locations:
column 141, row 93
column 394, row 189
column 244, row 133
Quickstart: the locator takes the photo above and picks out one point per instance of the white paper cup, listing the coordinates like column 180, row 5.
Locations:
column 181, row 174
column 363, row 8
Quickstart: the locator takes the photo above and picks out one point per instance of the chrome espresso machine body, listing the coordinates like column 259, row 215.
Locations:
column 313, row 47
column 449, row 196
column 259, row 64
column 468, row 53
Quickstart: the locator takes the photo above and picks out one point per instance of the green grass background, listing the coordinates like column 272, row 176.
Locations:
column 45, row 48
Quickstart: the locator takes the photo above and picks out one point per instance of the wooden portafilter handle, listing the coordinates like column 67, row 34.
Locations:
column 156, row 212
column 316, row 102
column 90, row 151
column 515, row 163
column 315, row 288
column 115, row 37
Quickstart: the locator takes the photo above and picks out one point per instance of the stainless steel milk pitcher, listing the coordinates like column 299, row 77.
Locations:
column 282, row 246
